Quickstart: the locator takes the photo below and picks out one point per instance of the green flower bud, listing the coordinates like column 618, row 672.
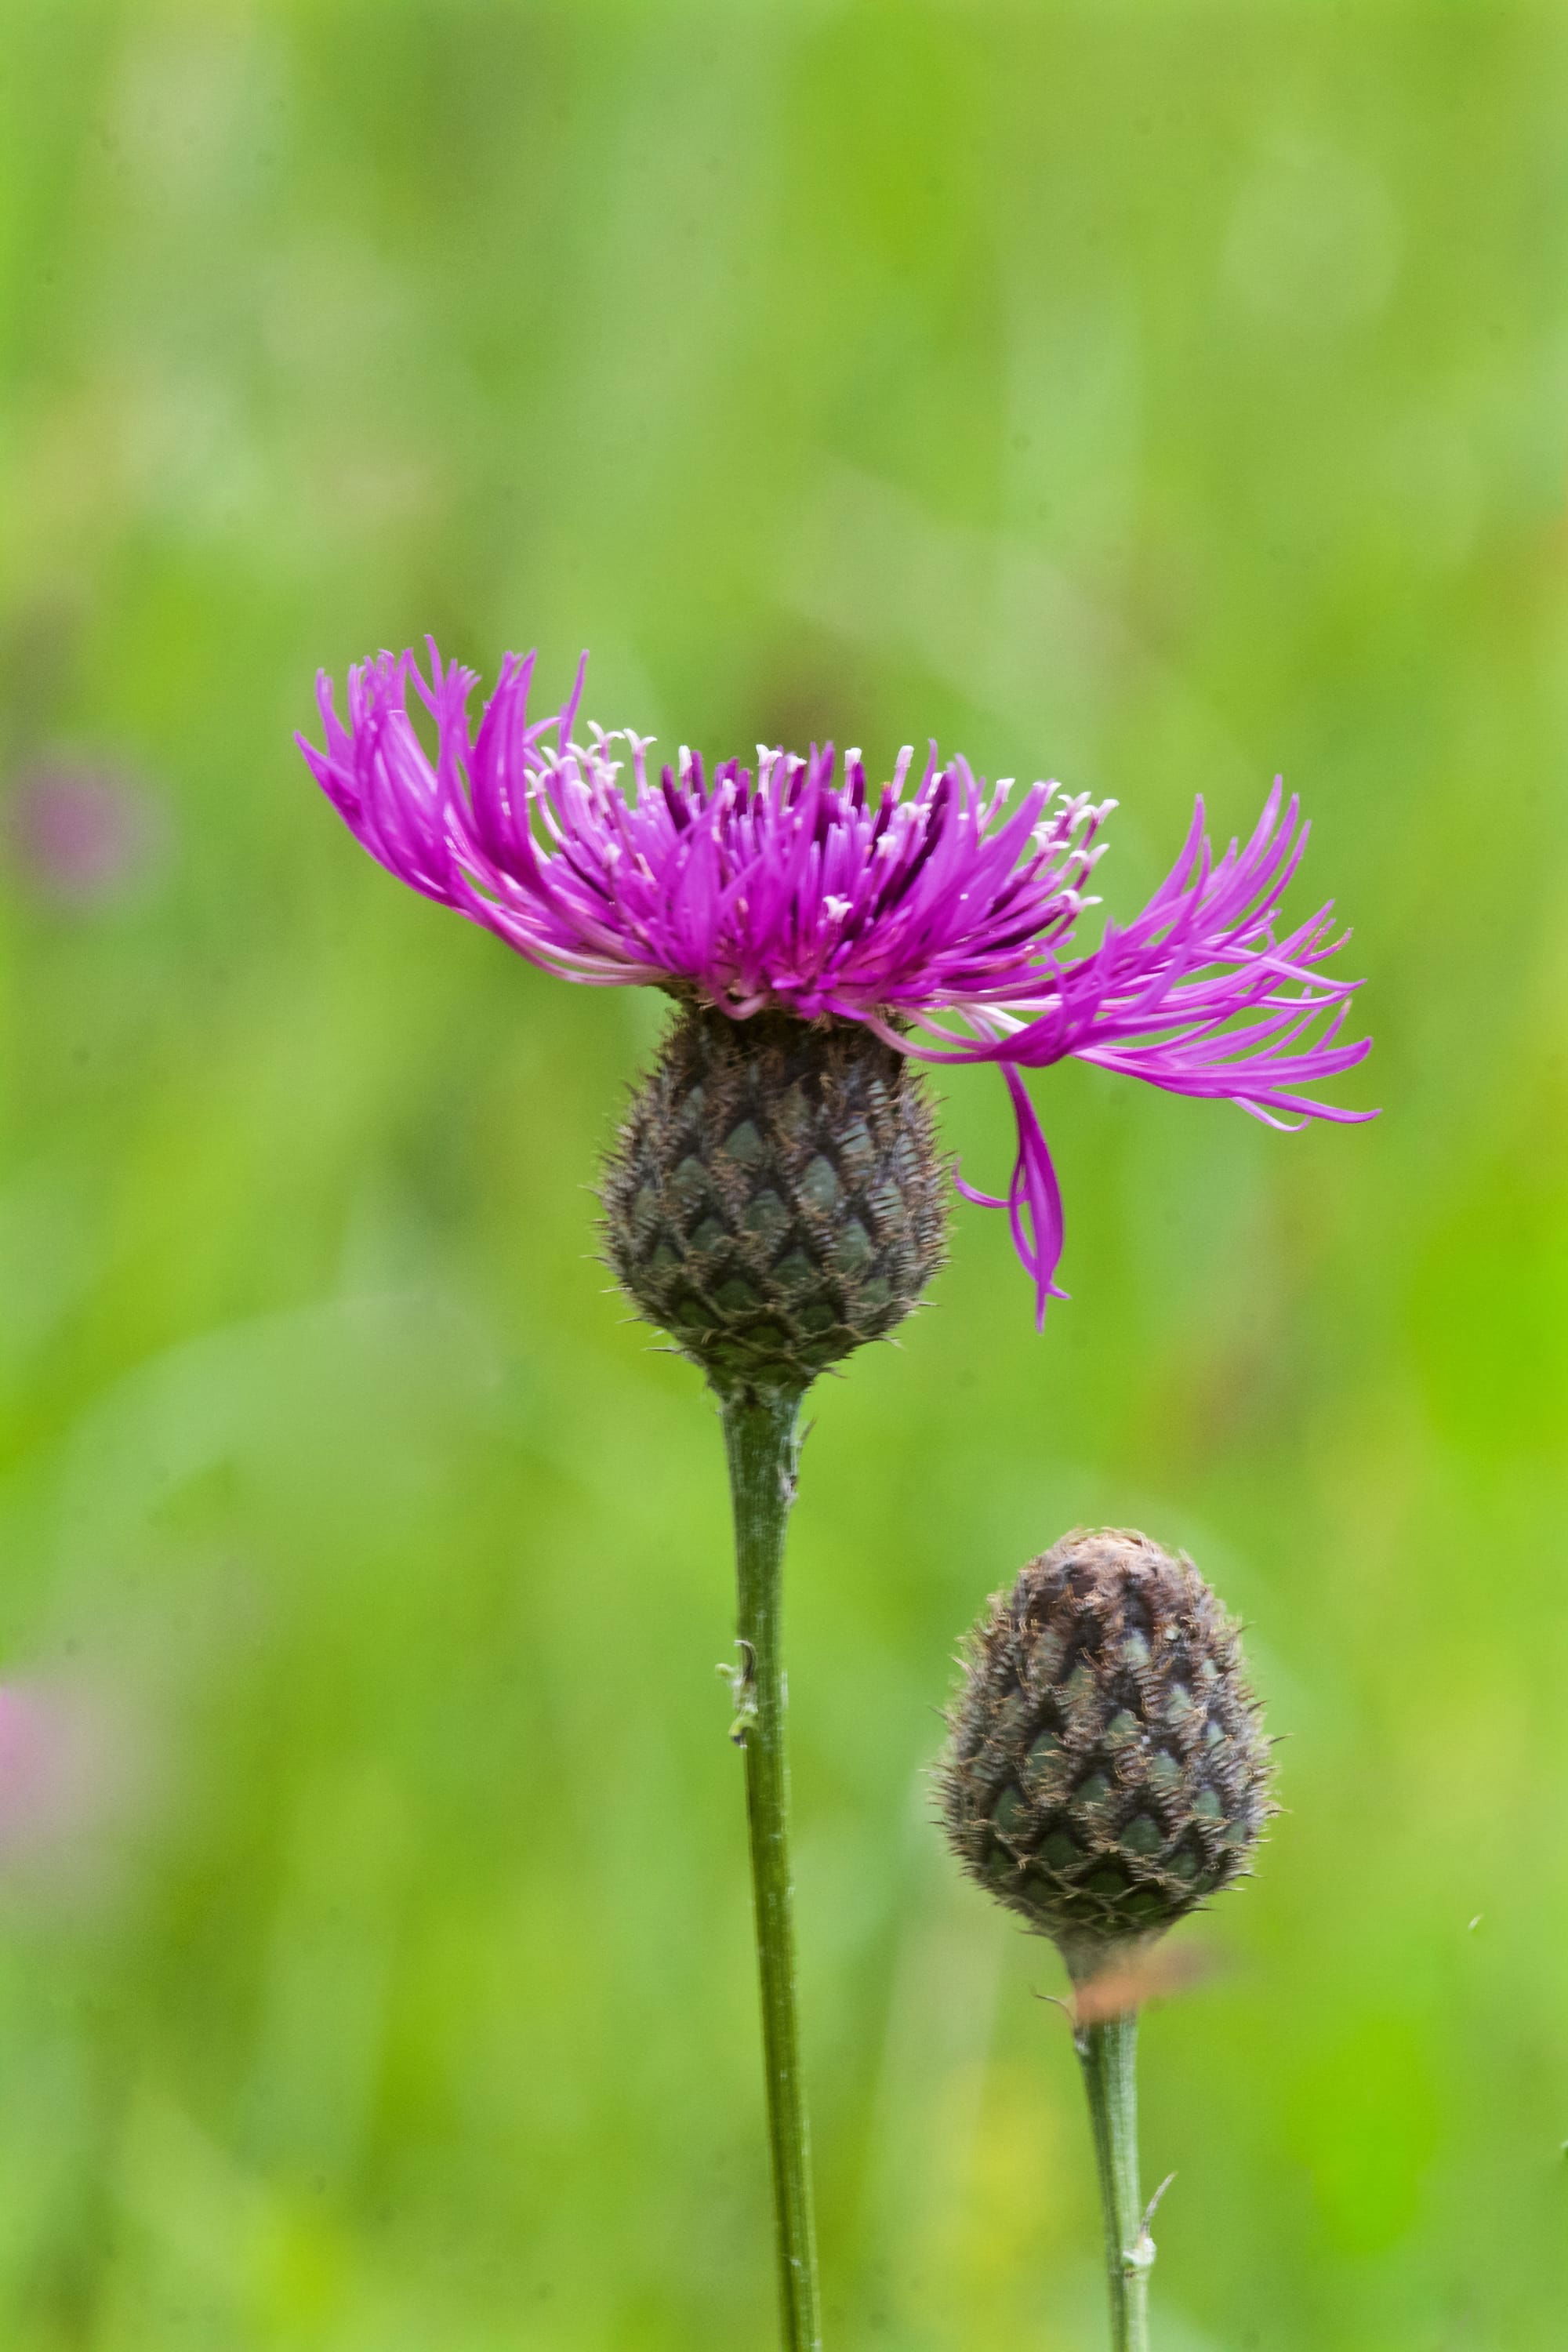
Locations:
column 1107, row 1770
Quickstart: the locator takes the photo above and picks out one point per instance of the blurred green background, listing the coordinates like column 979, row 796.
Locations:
column 1154, row 396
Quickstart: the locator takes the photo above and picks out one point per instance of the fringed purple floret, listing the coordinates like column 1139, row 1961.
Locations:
column 796, row 886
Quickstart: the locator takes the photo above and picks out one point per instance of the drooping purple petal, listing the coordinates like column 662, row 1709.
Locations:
column 1033, row 1202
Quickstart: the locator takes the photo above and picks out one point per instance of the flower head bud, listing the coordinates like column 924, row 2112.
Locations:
column 1107, row 1770
column 775, row 1197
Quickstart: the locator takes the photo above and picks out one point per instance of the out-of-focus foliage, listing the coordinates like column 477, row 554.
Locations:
column 1154, row 396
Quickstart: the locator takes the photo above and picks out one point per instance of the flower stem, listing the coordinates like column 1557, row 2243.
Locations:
column 762, row 1441
column 1108, row 2053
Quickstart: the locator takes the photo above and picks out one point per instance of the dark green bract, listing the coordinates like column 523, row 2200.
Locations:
column 775, row 1197
column 1107, row 1771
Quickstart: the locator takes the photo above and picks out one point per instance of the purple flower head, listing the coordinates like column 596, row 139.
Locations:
column 78, row 835
column 941, row 917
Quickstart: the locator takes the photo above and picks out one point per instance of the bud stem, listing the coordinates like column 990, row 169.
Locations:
column 1108, row 2053
column 762, row 1441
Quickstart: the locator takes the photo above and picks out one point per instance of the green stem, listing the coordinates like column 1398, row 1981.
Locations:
column 762, row 1442
column 1108, row 2053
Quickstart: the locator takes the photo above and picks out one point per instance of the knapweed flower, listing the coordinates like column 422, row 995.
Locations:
column 940, row 919
column 1107, row 1773
column 1107, row 1770
column 83, row 836
column 77, row 1773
